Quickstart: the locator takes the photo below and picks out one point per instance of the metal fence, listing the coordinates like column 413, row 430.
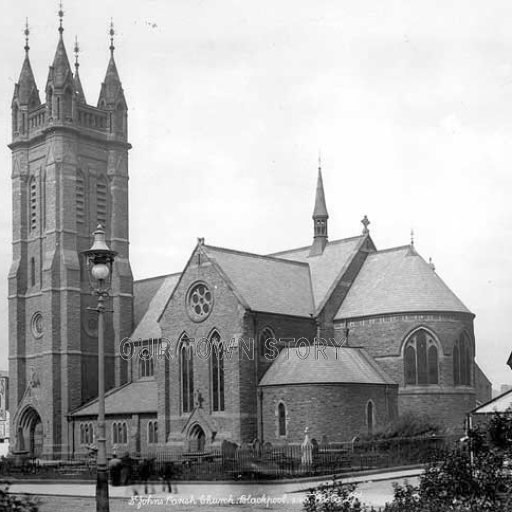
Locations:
column 245, row 461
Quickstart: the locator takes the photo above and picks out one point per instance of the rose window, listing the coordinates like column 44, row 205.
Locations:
column 199, row 302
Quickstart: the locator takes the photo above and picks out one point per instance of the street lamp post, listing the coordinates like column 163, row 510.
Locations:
column 100, row 261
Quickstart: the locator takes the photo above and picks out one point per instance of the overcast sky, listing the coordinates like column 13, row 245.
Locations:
column 410, row 103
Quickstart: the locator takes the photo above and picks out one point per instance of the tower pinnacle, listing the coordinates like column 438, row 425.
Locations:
column 25, row 91
column 112, row 33
column 80, row 96
column 61, row 15
column 27, row 33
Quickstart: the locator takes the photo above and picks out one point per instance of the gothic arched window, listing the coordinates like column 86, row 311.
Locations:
column 217, row 385
column 263, row 340
column 421, row 359
column 186, row 374
column 462, row 362
column 152, row 432
column 146, row 366
column 369, row 416
column 281, row 419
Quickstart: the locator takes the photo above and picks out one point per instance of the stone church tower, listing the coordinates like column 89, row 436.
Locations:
column 69, row 174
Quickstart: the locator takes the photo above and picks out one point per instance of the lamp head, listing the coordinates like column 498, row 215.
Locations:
column 99, row 262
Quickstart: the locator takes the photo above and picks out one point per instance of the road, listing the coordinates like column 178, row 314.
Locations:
column 374, row 493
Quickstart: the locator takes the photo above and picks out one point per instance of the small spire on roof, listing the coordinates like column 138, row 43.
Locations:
column 200, row 240
column 412, row 237
column 365, row 222
column 431, row 263
column 112, row 33
column 61, row 15
column 27, row 33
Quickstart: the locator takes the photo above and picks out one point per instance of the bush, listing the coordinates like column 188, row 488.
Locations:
column 13, row 503
column 338, row 497
column 408, row 425
column 460, row 482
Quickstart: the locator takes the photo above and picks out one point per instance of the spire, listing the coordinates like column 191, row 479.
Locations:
column 111, row 94
column 26, row 89
column 80, row 96
column 60, row 71
column 320, row 217
column 320, row 210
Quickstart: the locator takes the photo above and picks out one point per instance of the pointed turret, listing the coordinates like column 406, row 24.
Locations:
column 60, row 84
column 79, row 91
column 26, row 95
column 320, row 217
column 60, row 73
column 25, row 91
column 112, row 94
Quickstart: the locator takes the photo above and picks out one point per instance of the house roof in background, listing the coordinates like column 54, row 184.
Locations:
column 501, row 403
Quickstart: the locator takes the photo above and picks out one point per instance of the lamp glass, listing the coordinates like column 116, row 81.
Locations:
column 100, row 271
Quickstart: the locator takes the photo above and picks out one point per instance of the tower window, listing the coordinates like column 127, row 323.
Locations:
column 15, row 112
column 462, row 362
column 187, row 375
column 421, row 359
column 80, row 198
column 32, row 272
column 33, row 204
column 101, row 202
column 217, row 358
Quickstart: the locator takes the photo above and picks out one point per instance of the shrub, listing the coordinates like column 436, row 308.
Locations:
column 338, row 497
column 408, row 425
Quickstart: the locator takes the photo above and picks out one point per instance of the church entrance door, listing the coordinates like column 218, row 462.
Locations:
column 196, row 439
column 30, row 433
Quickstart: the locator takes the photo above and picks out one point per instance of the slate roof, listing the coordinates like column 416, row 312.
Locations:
column 154, row 295
column 342, row 365
column 326, row 267
column 136, row 397
column 265, row 283
column 501, row 403
column 394, row 281
column 143, row 292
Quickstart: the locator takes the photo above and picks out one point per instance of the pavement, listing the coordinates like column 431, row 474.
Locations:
column 228, row 493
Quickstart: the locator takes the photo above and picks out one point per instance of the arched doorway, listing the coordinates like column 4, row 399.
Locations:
column 196, row 439
column 30, row 432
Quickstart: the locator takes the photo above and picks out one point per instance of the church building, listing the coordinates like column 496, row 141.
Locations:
column 337, row 336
